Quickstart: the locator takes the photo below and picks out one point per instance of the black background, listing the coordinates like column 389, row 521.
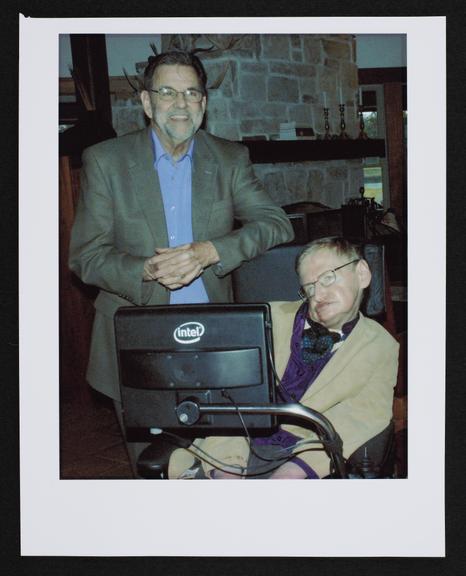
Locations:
column 454, row 564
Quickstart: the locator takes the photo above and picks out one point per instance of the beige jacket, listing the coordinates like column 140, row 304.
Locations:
column 354, row 391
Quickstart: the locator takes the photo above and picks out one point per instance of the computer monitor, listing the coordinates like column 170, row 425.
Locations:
column 205, row 353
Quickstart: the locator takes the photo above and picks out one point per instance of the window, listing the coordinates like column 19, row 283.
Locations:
column 375, row 169
column 373, row 180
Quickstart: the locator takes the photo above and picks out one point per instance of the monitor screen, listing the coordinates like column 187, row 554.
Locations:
column 208, row 354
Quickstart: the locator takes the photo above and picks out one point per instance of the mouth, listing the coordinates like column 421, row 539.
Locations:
column 179, row 117
column 321, row 307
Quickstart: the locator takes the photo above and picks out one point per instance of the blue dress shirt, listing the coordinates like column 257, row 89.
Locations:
column 176, row 188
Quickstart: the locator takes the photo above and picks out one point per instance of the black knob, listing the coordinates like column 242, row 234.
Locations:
column 188, row 412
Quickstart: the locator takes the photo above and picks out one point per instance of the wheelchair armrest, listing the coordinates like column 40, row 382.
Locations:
column 375, row 458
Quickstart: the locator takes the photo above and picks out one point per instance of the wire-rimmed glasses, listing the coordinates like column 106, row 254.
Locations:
column 326, row 279
column 168, row 94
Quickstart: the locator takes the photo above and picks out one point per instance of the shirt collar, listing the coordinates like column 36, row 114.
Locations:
column 159, row 150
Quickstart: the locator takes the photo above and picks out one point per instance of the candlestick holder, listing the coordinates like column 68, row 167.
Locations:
column 362, row 133
column 343, row 135
column 327, row 135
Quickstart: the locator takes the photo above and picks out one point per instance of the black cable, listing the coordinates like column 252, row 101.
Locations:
column 281, row 390
column 226, row 395
column 206, row 457
column 330, row 446
column 285, row 450
column 177, row 440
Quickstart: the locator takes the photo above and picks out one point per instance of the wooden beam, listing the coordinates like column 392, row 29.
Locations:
column 89, row 54
column 76, row 308
column 272, row 151
column 381, row 75
column 393, row 96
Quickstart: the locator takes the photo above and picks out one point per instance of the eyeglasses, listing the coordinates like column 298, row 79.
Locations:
column 326, row 279
column 167, row 94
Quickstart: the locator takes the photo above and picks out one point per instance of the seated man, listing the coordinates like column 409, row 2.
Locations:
column 330, row 358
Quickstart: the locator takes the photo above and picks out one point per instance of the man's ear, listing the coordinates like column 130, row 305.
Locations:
column 146, row 103
column 364, row 273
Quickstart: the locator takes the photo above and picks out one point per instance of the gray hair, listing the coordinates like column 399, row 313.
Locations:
column 338, row 244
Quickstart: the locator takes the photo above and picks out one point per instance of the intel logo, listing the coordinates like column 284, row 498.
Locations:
column 189, row 332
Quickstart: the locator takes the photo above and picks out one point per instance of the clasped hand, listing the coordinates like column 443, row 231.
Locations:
column 179, row 266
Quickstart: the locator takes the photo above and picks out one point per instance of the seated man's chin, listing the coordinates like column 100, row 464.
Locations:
column 324, row 311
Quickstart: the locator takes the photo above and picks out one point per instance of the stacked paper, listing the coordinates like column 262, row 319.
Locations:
column 288, row 130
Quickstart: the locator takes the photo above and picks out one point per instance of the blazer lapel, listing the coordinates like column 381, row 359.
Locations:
column 145, row 182
column 203, row 192
column 283, row 316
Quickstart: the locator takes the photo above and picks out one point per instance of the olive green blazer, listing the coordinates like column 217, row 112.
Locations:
column 120, row 222
column 354, row 391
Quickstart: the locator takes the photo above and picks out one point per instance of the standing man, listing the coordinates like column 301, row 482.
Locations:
column 154, row 222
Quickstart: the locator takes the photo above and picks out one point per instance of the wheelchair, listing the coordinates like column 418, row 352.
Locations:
column 180, row 413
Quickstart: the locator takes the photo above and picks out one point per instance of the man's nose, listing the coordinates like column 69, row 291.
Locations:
column 180, row 100
column 319, row 292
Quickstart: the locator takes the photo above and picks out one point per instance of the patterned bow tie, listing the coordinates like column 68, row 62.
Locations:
column 317, row 341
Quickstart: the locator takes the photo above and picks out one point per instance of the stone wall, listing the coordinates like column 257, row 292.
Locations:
column 267, row 79
column 274, row 78
column 331, row 183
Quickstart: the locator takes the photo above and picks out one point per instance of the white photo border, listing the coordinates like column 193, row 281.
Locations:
column 314, row 519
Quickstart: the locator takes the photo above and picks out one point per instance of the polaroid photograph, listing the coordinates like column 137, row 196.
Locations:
column 150, row 353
